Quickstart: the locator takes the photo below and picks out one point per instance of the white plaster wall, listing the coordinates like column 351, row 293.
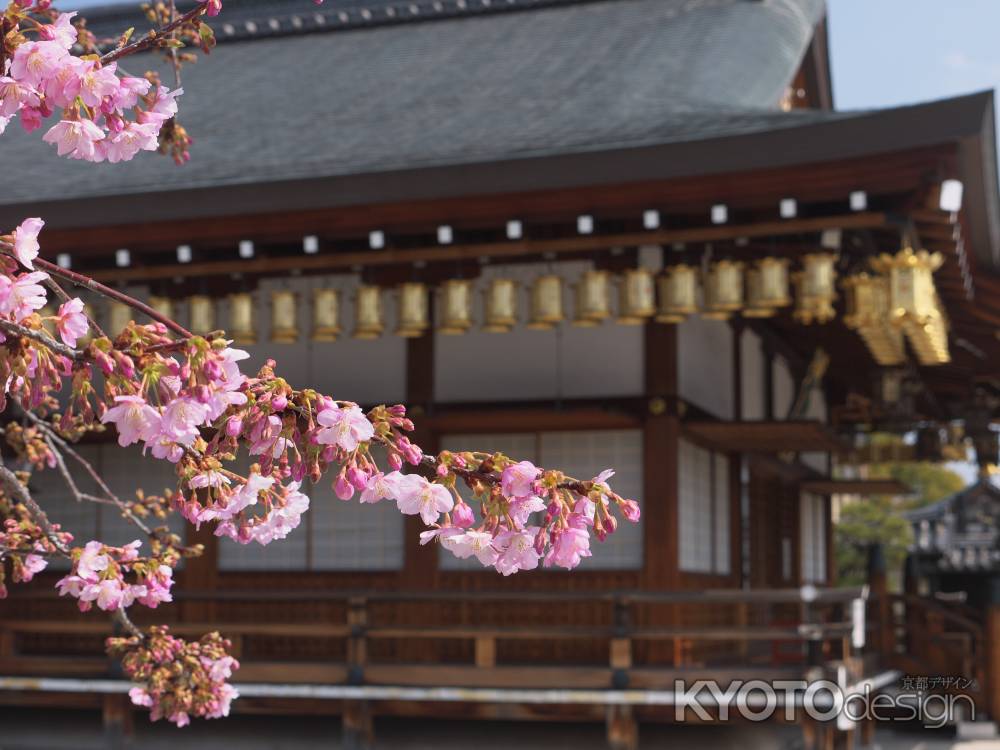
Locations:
column 567, row 362
column 752, row 371
column 784, row 388
column 705, row 365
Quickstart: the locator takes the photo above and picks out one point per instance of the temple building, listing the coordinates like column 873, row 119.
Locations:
column 588, row 233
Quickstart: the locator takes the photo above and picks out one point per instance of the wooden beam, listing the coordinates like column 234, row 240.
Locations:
column 856, row 487
column 765, row 436
column 494, row 250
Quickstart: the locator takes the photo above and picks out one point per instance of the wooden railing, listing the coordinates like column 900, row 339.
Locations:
column 485, row 639
column 930, row 638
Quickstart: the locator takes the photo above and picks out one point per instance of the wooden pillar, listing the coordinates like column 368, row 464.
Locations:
column 200, row 575
column 660, row 441
column 420, row 561
column 622, row 728
column 116, row 714
column 879, row 588
column 357, row 726
column 992, row 633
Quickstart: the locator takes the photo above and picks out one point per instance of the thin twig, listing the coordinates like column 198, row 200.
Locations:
column 42, row 338
column 16, row 490
column 153, row 37
column 88, row 283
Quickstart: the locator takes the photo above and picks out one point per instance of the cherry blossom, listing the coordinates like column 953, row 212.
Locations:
column 415, row 495
column 71, row 322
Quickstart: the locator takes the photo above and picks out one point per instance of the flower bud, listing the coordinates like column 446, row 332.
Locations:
column 463, row 516
column 234, row 426
column 630, row 509
column 343, row 488
column 278, row 403
column 395, row 461
column 357, row 477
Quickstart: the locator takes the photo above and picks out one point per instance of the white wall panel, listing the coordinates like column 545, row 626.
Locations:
column 705, row 364
column 567, row 362
column 752, row 373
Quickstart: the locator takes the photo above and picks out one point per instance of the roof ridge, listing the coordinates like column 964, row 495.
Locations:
column 272, row 18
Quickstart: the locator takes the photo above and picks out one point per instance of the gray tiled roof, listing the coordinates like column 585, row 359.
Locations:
column 560, row 78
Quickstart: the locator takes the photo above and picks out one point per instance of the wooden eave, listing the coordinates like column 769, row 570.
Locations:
column 765, row 436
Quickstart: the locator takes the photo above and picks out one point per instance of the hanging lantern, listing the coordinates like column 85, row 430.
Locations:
column 914, row 304
column 284, row 317
column 546, row 303
column 202, row 310
column 326, row 315
column 501, row 306
column 414, row 318
column 119, row 316
column 723, row 289
column 767, row 288
column 456, row 307
column 678, row 293
column 815, row 288
column 911, row 283
column 592, row 299
column 867, row 304
column 368, row 322
column 241, row 318
column 636, row 296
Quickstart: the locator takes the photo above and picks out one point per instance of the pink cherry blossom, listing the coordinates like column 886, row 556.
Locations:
column 14, row 95
column 134, row 419
column 23, row 296
column 71, row 322
column 346, row 427
column 416, row 495
column 26, row 241
column 135, row 137
column 517, row 551
column 61, row 30
column 569, row 545
column 181, row 419
column 381, row 486
column 97, row 82
column 517, row 479
column 31, row 565
column 35, row 62
column 478, row 543
column 75, row 138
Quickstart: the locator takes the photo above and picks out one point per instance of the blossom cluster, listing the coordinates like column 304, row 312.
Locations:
column 103, row 115
column 185, row 400
column 27, row 546
column 178, row 679
column 115, row 577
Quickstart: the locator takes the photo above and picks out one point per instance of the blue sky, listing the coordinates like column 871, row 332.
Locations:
column 887, row 52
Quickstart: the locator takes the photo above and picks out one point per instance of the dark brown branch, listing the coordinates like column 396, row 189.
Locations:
column 87, row 283
column 41, row 338
column 153, row 38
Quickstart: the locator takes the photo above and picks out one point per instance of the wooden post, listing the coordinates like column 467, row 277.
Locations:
column 885, row 638
column 993, row 659
column 358, row 727
column 486, row 652
column 116, row 715
column 622, row 728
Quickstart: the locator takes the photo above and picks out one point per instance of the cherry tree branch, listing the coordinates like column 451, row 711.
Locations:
column 42, row 338
column 153, row 38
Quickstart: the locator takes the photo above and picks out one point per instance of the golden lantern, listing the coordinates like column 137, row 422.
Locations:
column 202, row 310
column 636, row 296
column 592, row 299
column 767, row 287
column 913, row 302
column 815, row 288
column 678, row 293
column 325, row 315
column 867, row 303
column 163, row 305
column 456, row 307
column 501, row 306
column 911, row 283
column 546, row 303
column 368, row 322
column 723, row 289
column 414, row 317
column 241, row 318
column 284, row 317
column 119, row 316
